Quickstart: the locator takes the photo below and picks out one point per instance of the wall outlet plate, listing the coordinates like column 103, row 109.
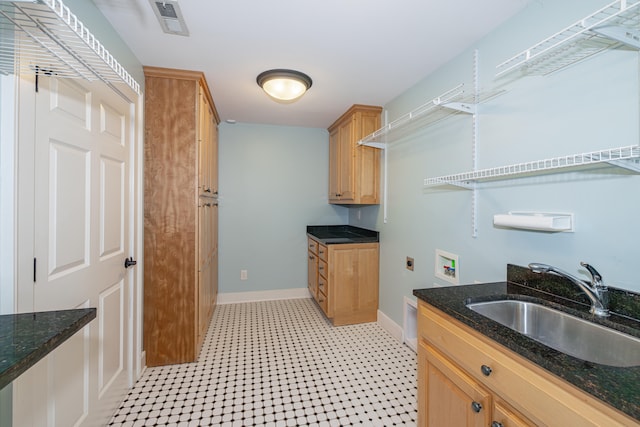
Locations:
column 409, row 263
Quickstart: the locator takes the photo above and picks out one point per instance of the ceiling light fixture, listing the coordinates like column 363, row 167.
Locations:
column 284, row 85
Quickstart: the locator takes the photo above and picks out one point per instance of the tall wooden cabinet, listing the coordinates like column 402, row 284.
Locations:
column 354, row 170
column 180, row 214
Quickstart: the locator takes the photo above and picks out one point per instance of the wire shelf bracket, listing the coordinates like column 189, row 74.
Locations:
column 613, row 25
column 45, row 37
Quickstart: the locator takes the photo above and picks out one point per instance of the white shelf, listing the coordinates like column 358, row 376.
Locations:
column 46, row 37
column 616, row 23
column 625, row 157
column 450, row 102
column 536, row 221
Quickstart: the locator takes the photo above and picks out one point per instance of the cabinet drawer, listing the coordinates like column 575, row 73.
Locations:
column 322, row 252
column 323, row 302
column 313, row 245
column 529, row 389
column 322, row 285
column 322, row 268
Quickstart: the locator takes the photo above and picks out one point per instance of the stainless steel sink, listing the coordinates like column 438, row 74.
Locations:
column 563, row 332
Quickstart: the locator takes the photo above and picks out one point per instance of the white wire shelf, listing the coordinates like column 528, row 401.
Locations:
column 426, row 114
column 47, row 38
column 454, row 101
column 625, row 157
column 615, row 24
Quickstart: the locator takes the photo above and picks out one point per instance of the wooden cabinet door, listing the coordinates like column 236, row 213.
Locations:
column 346, row 161
column 334, row 163
column 353, row 283
column 367, row 159
column 505, row 416
column 448, row 396
column 213, row 171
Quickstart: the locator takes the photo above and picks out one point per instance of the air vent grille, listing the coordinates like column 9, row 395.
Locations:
column 170, row 17
column 166, row 10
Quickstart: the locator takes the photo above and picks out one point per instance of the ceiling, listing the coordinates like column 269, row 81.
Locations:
column 356, row 51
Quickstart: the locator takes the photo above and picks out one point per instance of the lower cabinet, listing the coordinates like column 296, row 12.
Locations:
column 466, row 379
column 343, row 279
column 468, row 403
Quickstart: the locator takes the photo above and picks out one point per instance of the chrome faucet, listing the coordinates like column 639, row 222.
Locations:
column 595, row 290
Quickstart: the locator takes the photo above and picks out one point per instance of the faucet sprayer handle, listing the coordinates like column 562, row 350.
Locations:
column 597, row 277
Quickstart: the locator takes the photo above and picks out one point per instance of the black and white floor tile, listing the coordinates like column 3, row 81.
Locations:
column 280, row 363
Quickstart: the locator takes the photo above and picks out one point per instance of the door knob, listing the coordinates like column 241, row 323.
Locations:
column 129, row 262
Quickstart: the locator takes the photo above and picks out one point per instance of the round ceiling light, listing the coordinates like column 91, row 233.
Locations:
column 284, row 85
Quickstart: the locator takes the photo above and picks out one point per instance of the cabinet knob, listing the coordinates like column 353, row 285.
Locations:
column 476, row 407
column 486, row 370
column 310, row 257
column 497, row 424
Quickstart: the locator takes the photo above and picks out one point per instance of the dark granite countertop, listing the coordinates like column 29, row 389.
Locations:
column 619, row 387
column 337, row 234
column 28, row 337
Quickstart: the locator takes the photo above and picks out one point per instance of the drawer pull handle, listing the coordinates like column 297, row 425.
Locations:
column 311, row 258
column 486, row 370
column 476, row 407
column 497, row 424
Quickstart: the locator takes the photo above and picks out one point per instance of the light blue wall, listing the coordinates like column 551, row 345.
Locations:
column 273, row 183
column 100, row 27
column 590, row 106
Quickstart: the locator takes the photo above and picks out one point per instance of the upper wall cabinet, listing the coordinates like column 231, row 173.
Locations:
column 354, row 170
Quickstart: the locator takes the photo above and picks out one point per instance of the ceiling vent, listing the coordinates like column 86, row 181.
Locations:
column 170, row 17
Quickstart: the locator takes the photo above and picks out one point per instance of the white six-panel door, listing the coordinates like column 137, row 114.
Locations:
column 82, row 218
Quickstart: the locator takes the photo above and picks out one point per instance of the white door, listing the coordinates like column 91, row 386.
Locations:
column 83, row 133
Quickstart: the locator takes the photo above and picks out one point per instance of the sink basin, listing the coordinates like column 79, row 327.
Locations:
column 563, row 332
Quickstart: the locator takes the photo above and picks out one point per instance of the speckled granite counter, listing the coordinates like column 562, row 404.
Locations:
column 337, row 234
column 619, row 387
column 26, row 338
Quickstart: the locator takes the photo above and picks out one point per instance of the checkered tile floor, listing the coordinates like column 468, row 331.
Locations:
column 280, row 363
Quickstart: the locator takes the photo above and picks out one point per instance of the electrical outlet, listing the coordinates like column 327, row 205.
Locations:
column 243, row 275
column 409, row 263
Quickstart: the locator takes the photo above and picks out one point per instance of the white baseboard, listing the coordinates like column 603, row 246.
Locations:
column 142, row 366
column 237, row 297
column 390, row 326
